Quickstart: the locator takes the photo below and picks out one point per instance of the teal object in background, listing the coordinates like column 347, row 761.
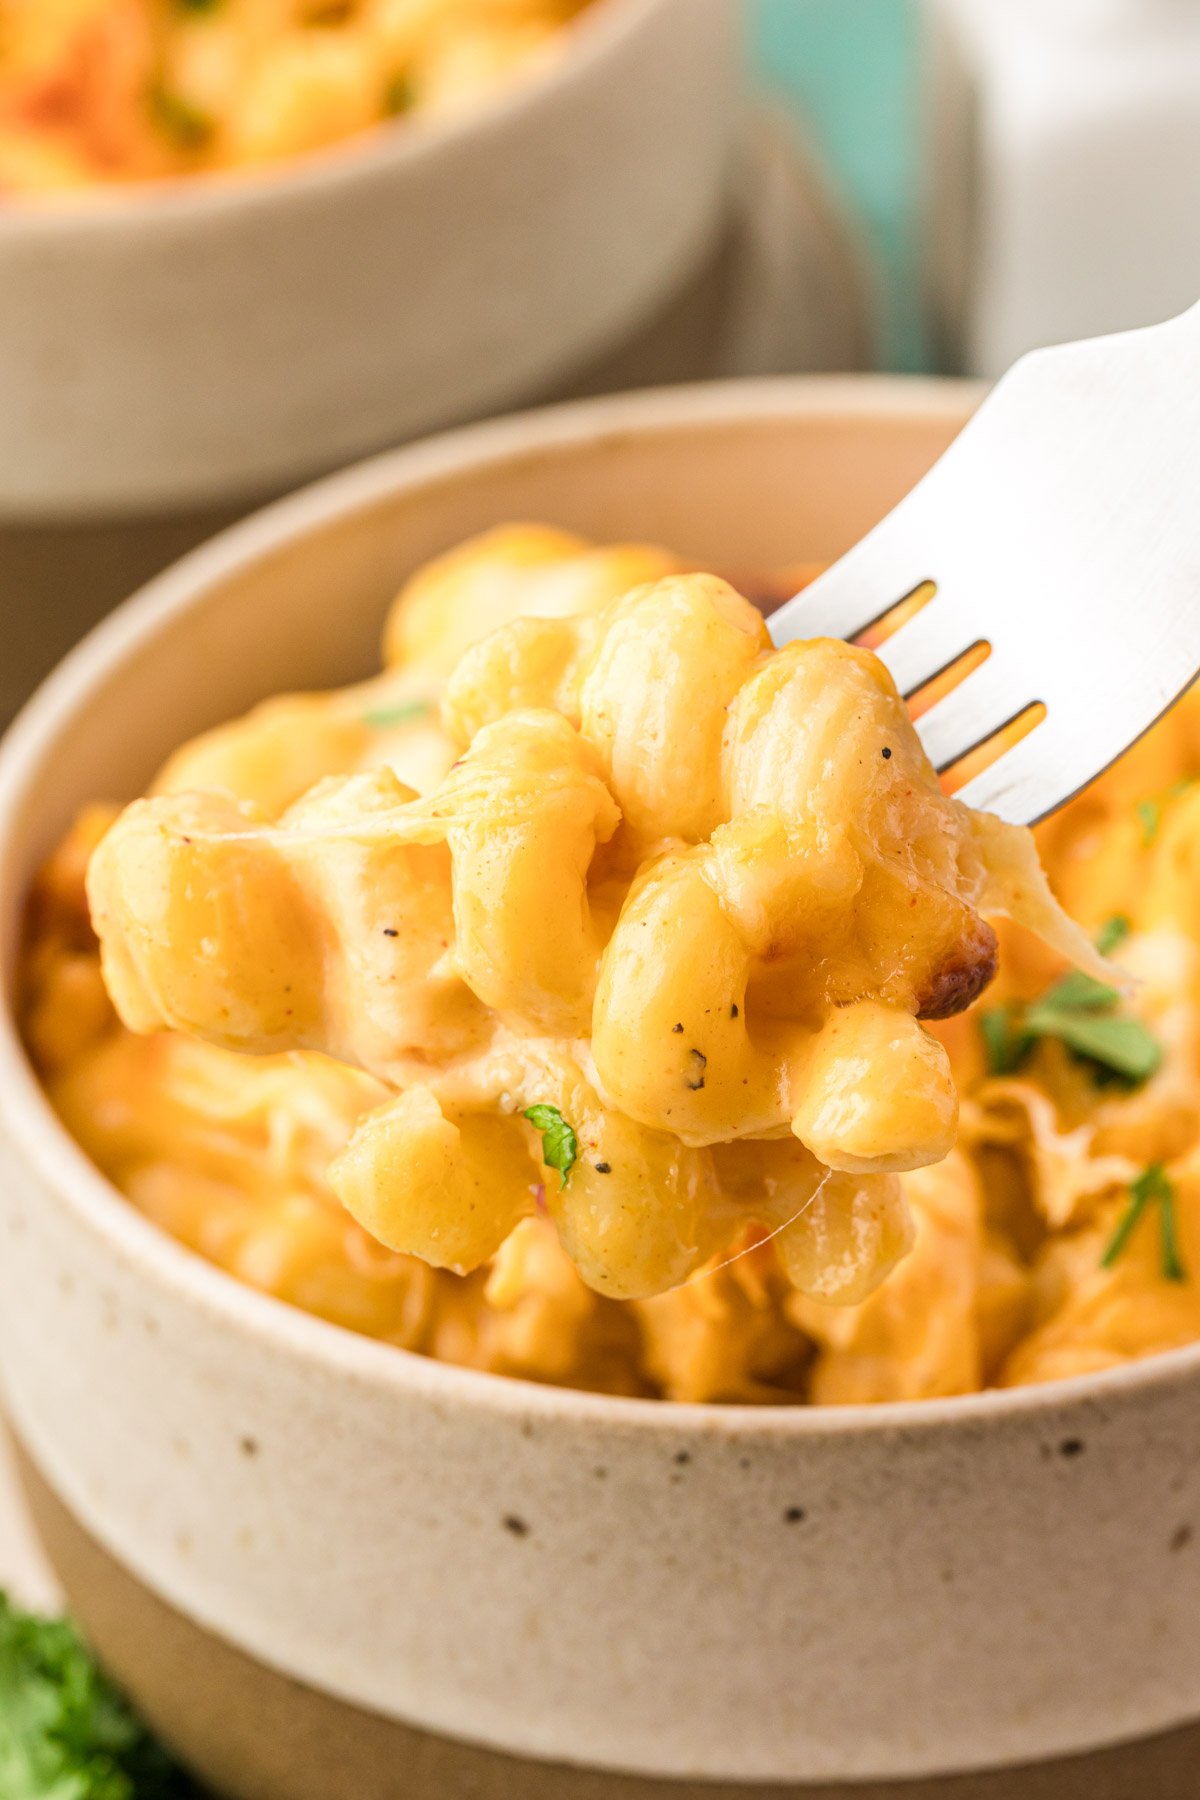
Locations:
column 851, row 69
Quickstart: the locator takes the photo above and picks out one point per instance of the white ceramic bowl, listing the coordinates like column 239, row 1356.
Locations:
column 234, row 1491
column 220, row 337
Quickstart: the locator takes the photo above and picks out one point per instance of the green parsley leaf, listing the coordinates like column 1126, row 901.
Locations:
column 1081, row 1013
column 179, row 119
column 1149, row 814
column 1122, row 1045
column 401, row 714
column 399, row 96
column 560, row 1146
column 1078, row 992
column 1152, row 1187
column 1112, row 933
column 65, row 1734
column 1005, row 1044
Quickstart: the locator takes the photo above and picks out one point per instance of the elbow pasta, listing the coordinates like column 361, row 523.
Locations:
column 95, row 91
column 620, row 859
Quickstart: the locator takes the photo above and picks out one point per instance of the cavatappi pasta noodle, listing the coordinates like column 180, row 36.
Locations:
column 630, row 815
column 100, row 91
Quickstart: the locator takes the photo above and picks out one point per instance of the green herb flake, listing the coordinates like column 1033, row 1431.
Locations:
column 1150, row 812
column 1153, row 1187
column 1121, row 1045
column 178, row 119
column 1112, row 933
column 65, row 1734
column 399, row 96
column 1172, row 1262
column 1081, row 1013
column 403, row 713
column 560, row 1146
column 1078, row 992
column 1149, row 816
column 1006, row 1045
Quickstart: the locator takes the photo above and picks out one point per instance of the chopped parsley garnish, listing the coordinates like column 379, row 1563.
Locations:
column 399, row 96
column 179, row 119
column 1153, row 1187
column 1082, row 1014
column 560, row 1146
column 1150, row 812
column 1112, row 934
column 65, row 1734
column 1005, row 1043
column 384, row 717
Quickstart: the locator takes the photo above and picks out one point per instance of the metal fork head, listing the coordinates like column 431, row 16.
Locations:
column 1062, row 530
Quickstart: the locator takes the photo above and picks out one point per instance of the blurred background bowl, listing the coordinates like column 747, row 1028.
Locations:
column 783, row 289
column 187, row 343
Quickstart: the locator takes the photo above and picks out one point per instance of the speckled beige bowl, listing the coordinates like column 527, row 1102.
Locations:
column 307, row 1553
column 216, row 338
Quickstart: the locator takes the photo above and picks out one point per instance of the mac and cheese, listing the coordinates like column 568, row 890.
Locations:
column 629, row 816
column 95, row 91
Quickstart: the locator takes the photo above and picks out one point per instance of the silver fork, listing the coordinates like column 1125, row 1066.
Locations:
column 1062, row 528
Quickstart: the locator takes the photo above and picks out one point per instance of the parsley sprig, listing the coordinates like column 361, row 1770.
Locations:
column 178, row 119
column 384, row 717
column 65, row 1734
column 1084, row 1015
column 1153, row 1187
column 560, row 1146
column 1150, row 812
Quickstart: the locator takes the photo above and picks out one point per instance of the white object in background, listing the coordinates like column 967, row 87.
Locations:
column 1065, row 170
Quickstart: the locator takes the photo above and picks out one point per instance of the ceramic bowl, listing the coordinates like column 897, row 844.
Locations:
column 196, row 341
column 324, row 1566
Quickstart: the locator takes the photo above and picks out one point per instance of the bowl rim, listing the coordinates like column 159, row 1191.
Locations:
column 35, row 1133
column 391, row 145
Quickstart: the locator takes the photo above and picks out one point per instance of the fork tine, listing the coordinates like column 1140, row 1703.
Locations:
column 848, row 598
column 970, row 713
column 926, row 644
column 1025, row 783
